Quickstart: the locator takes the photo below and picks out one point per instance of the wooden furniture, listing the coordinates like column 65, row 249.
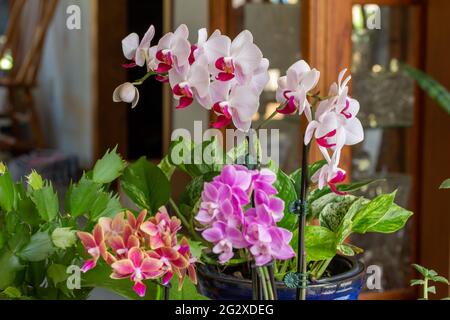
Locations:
column 25, row 37
column 411, row 33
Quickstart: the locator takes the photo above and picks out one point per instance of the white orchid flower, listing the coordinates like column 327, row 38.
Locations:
column 240, row 106
column 128, row 93
column 293, row 88
column 135, row 50
column 173, row 50
column 233, row 60
column 329, row 175
column 193, row 83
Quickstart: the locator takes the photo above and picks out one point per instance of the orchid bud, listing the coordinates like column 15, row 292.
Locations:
column 63, row 238
column 128, row 93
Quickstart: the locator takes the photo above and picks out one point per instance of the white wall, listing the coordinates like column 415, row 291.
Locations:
column 64, row 94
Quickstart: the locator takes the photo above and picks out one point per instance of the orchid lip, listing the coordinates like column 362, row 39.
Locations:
column 322, row 141
column 344, row 112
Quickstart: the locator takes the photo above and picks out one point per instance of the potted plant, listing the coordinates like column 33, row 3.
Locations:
column 265, row 233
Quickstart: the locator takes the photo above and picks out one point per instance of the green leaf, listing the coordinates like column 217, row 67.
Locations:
column 345, row 229
column 8, row 195
column 188, row 292
column 332, row 215
column 2, row 239
column 422, row 270
column 445, row 184
column 12, row 293
column 64, row 238
column 57, row 273
column 46, row 202
column 394, row 220
column 372, row 213
column 320, row 243
column 100, row 277
column 167, row 167
column 432, row 289
column 440, row 279
column 346, row 250
column 433, row 88
column 109, row 168
column 146, row 185
column 19, row 238
column 347, row 188
column 106, row 205
column 417, row 283
column 35, row 181
column 39, row 248
column 81, row 196
column 10, row 265
column 25, row 207
column 194, row 189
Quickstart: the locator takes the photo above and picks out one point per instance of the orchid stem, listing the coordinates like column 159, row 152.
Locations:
column 142, row 80
column 182, row 218
column 270, row 118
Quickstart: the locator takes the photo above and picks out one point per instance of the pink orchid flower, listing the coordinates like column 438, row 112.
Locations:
column 135, row 50
column 185, row 251
column 122, row 244
column 113, row 227
column 95, row 247
column 138, row 267
column 294, row 88
column 238, row 59
column 161, row 230
column 239, row 107
column 210, row 207
column 194, row 82
column 224, row 238
column 173, row 50
column 135, row 223
column 172, row 262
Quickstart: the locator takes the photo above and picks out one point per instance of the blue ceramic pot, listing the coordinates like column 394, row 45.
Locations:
column 345, row 285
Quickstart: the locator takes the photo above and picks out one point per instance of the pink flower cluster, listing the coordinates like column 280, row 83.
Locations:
column 232, row 220
column 140, row 249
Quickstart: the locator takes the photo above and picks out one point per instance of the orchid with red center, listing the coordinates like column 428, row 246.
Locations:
column 140, row 249
column 293, row 89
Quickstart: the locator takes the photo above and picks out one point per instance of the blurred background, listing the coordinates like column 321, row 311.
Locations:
column 60, row 61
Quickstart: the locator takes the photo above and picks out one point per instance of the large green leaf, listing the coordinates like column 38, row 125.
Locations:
column 167, row 167
column 10, row 265
column 345, row 229
column 80, row 197
column 109, row 168
column 19, row 237
column 187, row 292
column 7, row 192
column 46, row 202
column 372, row 213
column 320, row 243
column 194, row 189
column 433, row 88
column 57, row 273
column 287, row 193
column 394, row 220
column 333, row 213
column 146, row 185
column 39, row 248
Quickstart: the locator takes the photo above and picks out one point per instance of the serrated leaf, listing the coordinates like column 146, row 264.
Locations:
column 26, row 209
column 7, row 192
column 35, row 180
column 109, row 168
column 422, row 270
column 46, row 202
column 432, row 289
column 146, row 185
column 39, row 248
column 445, row 184
column 19, row 237
column 57, row 273
column 106, row 205
column 10, row 265
column 81, row 197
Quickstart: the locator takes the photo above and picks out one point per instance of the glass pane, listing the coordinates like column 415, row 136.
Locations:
column 276, row 29
column 382, row 41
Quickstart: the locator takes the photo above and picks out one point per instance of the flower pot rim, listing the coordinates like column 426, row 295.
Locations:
column 355, row 271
